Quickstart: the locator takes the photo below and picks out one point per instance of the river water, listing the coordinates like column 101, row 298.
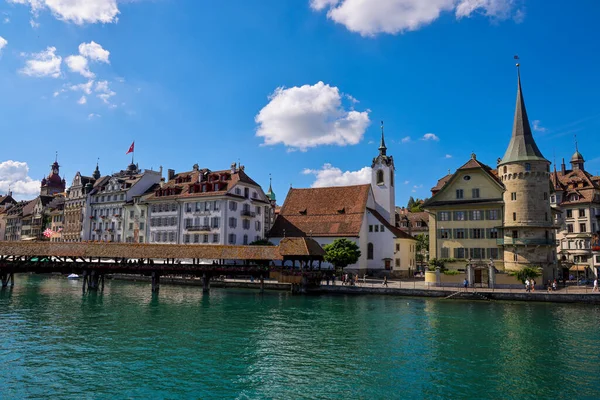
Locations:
column 235, row 344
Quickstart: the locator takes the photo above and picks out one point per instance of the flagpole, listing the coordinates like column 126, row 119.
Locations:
column 133, row 152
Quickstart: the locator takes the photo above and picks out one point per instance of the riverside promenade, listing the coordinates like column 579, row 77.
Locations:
column 569, row 294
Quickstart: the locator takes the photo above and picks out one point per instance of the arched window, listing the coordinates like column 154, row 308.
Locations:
column 391, row 177
column 370, row 251
column 380, row 177
column 505, row 169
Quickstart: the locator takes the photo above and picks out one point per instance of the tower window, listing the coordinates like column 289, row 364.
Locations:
column 380, row 177
column 513, row 196
column 370, row 251
column 392, row 177
column 505, row 169
column 515, row 234
column 475, row 193
column 527, row 167
column 514, row 216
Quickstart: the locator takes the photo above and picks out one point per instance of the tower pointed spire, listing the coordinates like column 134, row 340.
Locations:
column 522, row 146
column 96, row 174
column 382, row 148
column 271, row 194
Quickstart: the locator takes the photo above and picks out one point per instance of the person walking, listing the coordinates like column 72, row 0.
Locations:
column 595, row 289
column 532, row 285
column 527, row 285
column 466, row 284
column 554, row 285
column 385, row 281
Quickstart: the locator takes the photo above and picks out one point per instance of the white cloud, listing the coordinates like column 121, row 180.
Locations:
column 84, row 87
column 15, row 175
column 3, row 43
column 418, row 186
column 405, row 140
column 82, row 100
column 370, row 18
column 43, row 64
column 536, row 125
column 77, row 11
column 34, row 24
column 430, row 136
column 448, row 155
column 104, row 92
column 310, row 116
column 406, row 182
column 94, row 52
column 329, row 175
column 93, row 116
column 79, row 64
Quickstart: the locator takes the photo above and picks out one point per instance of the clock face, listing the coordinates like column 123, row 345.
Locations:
column 466, row 177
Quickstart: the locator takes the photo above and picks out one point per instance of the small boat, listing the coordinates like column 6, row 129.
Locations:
column 73, row 276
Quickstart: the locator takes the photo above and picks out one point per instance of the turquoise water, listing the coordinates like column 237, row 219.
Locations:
column 126, row 343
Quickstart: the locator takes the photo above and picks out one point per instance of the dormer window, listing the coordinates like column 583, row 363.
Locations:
column 303, row 212
column 342, row 210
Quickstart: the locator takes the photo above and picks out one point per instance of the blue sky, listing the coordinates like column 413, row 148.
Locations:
column 295, row 89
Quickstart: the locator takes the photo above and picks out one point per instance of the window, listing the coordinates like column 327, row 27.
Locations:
column 370, row 251
column 504, row 169
column 515, row 257
column 397, row 247
column 246, row 224
column 459, row 233
column 141, row 226
column 553, row 199
column 477, row 253
column 515, row 234
column 131, row 214
column 205, row 238
column 376, row 228
column 459, row 215
column 246, row 192
column 380, row 177
column 196, row 238
column 397, row 262
column 186, row 238
column 142, row 213
column 232, row 222
column 232, row 205
column 527, row 167
column 171, row 236
column 445, row 234
column 546, row 216
column 381, row 229
column 493, row 233
column 581, row 212
column 582, row 228
column 245, row 241
column 476, row 215
column 130, row 225
column 216, row 238
column 514, row 216
column 459, row 253
column 493, row 253
column 459, row 193
column 232, row 238
column 569, row 213
column 570, row 228
column 476, row 233
column 445, row 252
column 258, row 209
column 257, row 225
column 475, row 193
column 392, row 177
column 444, row 216
column 215, row 222
column 493, row 215
column 141, row 238
column 173, row 207
column 513, row 196
column 238, row 191
column 370, row 228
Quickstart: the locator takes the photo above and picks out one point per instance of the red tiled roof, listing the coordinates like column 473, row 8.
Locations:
column 300, row 246
column 577, row 182
column 330, row 211
column 473, row 163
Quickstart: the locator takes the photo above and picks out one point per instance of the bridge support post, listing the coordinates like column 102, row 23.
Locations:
column 262, row 284
column 85, row 281
column 155, row 282
column 4, row 278
column 102, row 280
column 94, row 279
column 12, row 279
column 205, row 283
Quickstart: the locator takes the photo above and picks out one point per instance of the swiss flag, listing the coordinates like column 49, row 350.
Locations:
column 130, row 148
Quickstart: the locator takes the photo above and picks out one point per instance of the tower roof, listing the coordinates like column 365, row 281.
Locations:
column 382, row 148
column 522, row 146
column 270, row 194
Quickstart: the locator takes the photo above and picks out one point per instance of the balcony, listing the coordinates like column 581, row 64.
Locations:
column 248, row 213
column 198, row 228
column 525, row 242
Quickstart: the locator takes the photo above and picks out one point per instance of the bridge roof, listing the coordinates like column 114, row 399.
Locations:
column 136, row 251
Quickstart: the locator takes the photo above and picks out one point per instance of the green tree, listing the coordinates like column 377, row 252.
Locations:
column 341, row 253
column 422, row 243
column 526, row 273
column 261, row 242
column 411, row 203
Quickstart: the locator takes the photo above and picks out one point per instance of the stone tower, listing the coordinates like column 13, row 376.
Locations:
column 528, row 228
column 382, row 182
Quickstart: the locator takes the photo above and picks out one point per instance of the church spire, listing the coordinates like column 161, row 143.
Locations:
column 382, row 148
column 522, row 146
column 96, row 174
column 270, row 194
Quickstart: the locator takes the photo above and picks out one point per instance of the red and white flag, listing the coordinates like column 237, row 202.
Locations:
column 48, row 233
column 131, row 148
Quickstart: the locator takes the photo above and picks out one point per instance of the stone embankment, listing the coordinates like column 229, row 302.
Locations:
column 452, row 294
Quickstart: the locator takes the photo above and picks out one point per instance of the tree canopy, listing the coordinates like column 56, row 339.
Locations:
column 341, row 253
column 526, row 273
column 415, row 205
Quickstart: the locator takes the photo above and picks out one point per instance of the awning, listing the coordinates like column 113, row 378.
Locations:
column 578, row 268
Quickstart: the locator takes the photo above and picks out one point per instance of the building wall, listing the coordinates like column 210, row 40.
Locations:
column 405, row 254
column 384, row 192
column 528, row 224
column 382, row 240
column 135, row 222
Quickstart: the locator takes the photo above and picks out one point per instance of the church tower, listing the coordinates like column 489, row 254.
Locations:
column 53, row 184
column 528, row 229
column 382, row 182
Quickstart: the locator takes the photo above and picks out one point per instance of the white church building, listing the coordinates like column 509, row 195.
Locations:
column 364, row 214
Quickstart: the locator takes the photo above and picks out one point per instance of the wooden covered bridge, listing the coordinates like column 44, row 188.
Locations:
column 94, row 260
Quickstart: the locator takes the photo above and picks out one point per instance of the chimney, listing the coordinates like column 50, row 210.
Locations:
column 233, row 168
column 162, row 181
column 170, row 174
column 563, row 167
column 160, row 170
